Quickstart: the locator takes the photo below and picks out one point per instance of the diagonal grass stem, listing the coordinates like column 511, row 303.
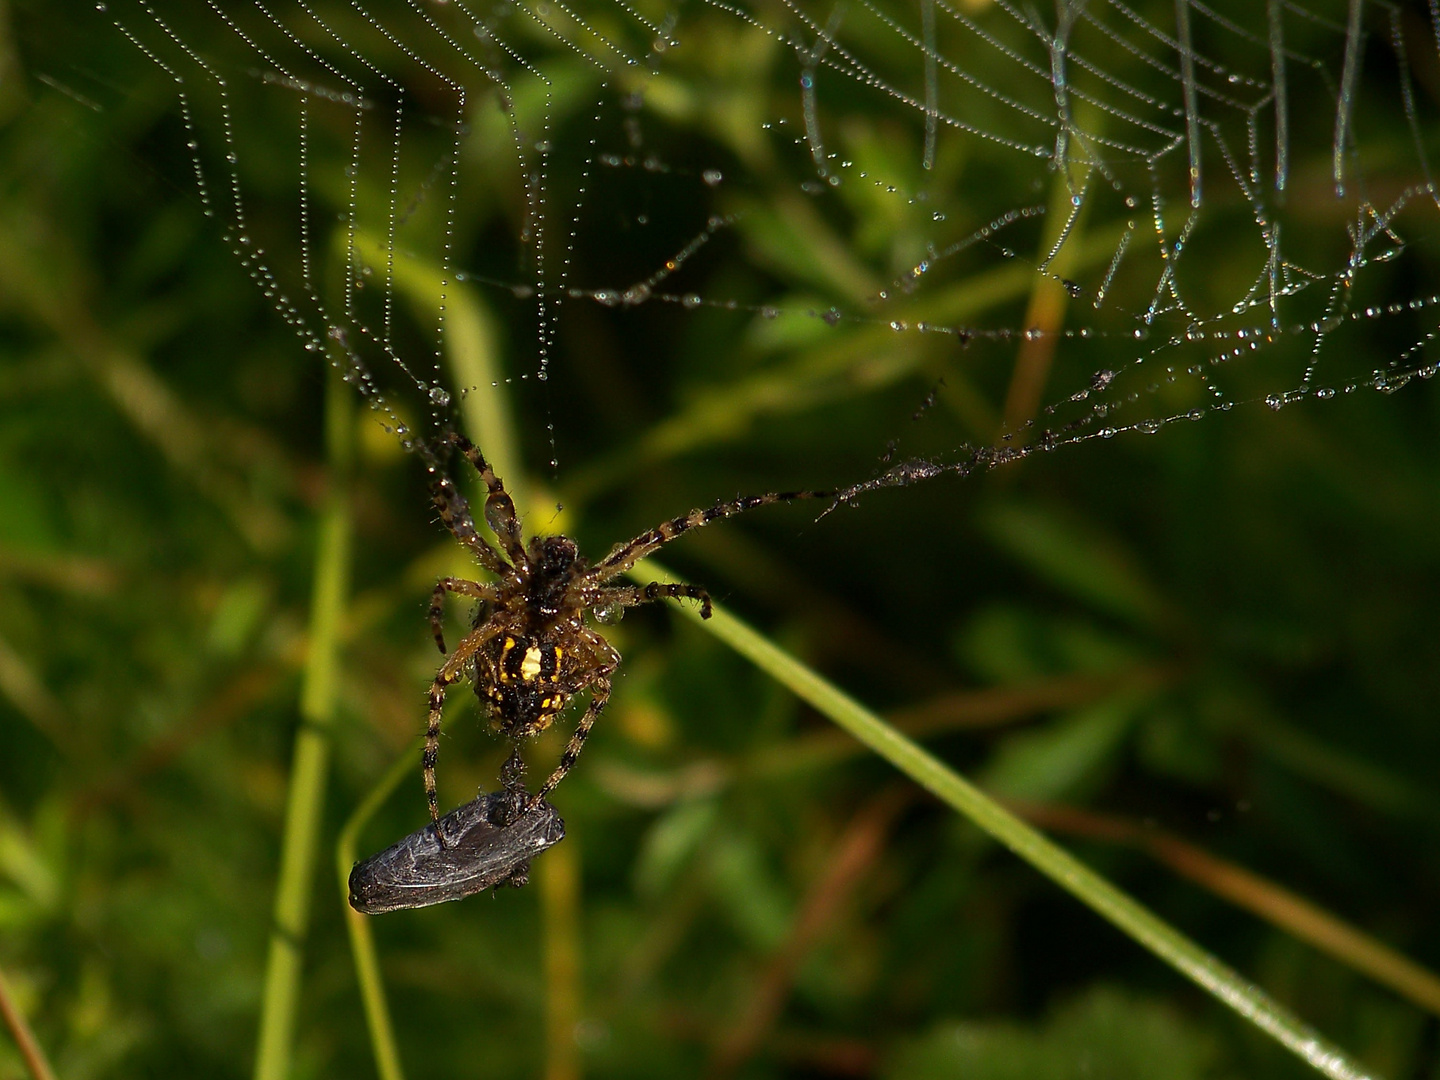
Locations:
column 1128, row 915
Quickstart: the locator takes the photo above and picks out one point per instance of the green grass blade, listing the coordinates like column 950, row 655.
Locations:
column 362, row 942
column 305, row 802
column 1128, row 915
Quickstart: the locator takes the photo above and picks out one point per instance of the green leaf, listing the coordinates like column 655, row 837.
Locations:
column 671, row 842
column 747, row 889
column 1007, row 643
column 1065, row 757
column 25, row 519
column 1076, row 559
column 1107, row 1033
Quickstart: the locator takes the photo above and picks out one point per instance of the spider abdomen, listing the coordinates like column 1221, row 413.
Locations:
column 521, row 680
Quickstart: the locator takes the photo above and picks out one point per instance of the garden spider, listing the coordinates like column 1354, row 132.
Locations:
column 530, row 650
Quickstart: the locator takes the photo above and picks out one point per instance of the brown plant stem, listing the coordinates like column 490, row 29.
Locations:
column 858, row 848
column 30, row 1050
column 1260, row 896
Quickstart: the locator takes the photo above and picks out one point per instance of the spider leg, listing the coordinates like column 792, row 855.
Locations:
column 455, row 513
column 634, row 595
column 461, row 587
column 629, row 553
column 499, row 507
column 451, row 672
column 606, row 660
column 599, row 695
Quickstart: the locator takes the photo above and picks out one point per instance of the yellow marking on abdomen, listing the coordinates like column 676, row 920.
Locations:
column 505, row 647
column 530, row 666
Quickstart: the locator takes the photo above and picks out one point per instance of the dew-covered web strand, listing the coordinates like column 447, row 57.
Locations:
column 1349, row 80
column 234, row 229
column 436, row 395
column 534, row 181
column 354, row 270
column 810, row 59
column 932, row 60
column 1167, row 297
column 1173, row 44
column 357, row 99
column 1189, row 134
column 1154, row 129
column 354, row 369
column 609, row 45
column 1280, row 86
column 1407, row 98
column 932, row 83
column 549, row 329
column 202, row 188
column 536, row 186
column 252, row 258
column 1185, row 46
column 1236, row 342
column 439, row 397
column 836, row 57
column 302, row 94
column 1060, row 85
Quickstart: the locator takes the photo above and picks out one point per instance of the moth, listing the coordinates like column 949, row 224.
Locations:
column 484, row 844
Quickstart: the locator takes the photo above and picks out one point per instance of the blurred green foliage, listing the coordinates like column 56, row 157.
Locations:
column 1226, row 630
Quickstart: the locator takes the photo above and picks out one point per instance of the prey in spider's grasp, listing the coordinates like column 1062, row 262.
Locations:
column 530, row 649
column 484, row 844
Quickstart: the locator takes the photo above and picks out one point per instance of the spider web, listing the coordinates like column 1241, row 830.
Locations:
column 1109, row 218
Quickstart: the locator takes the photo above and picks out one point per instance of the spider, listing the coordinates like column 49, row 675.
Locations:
column 530, row 649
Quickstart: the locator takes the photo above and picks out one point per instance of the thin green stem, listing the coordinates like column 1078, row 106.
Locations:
column 362, row 942
column 474, row 358
column 1129, row 916
column 311, row 763
column 559, row 881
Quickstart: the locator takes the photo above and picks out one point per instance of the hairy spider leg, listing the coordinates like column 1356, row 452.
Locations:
column 451, row 672
column 599, row 695
column 635, row 595
column 499, row 507
column 455, row 513
column 461, row 587
column 629, row 553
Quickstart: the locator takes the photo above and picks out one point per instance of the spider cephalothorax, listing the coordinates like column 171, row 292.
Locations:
column 530, row 649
